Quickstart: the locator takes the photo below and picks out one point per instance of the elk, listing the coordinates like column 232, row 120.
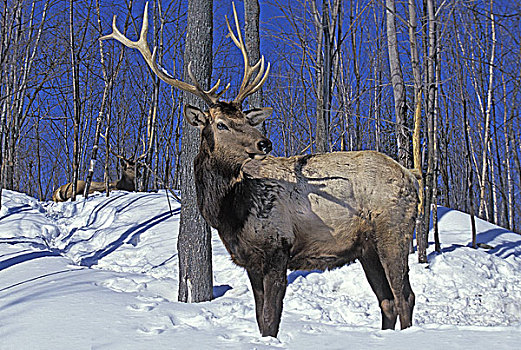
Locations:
column 305, row 212
column 125, row 183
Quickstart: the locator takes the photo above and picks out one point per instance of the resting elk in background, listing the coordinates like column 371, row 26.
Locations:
column 125, row 183
column 304, row 212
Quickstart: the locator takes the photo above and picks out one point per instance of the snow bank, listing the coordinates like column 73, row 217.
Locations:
column 102, row 273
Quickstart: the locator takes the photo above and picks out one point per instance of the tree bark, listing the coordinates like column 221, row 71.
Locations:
column 153, row 109
column 470, row 172
column 507, row 125
column 468, row 158
column 435, row 144
column 417, row 160
column 487, row 112
column 358, row 82
column 76, row 102
column 413, row 42
column 5, row 29
column 377, row 72
column 416, row 140
column 400, row 107
column 321, row 133
column 430, row 52
column 252, row 42
column 194, row 241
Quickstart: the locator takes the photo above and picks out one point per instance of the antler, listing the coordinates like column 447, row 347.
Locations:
column 134, row 160
column 210, row 97
column 143, row 155
column 247, row 88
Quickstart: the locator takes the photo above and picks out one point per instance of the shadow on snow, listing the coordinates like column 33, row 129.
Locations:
column 503, row 250
column 4, row 264
column 130, row 236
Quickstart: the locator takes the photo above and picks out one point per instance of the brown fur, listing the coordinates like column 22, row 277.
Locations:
column 64, row 192
column 125, row 183
column 304, row 212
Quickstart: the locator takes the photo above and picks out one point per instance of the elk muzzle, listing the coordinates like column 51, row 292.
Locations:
column 260, row 149
column 264, row 146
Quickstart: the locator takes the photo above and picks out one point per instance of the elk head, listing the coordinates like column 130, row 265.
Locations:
column 228, row 131
column 129, row 167
column 225, row 128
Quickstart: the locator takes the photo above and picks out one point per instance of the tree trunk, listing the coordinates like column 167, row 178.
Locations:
column 358, row 82
column 4, row 46
column 151, row 135
column 153, row 110
column 413, row 42
column 194, row 241
column 416, row 141
column 326, row 28
column 487, row 112
column 470, row 172
column 502, row 210
column 252, row 42
column 507, row 127
column 14, row 33
column 76, row 102
column 322, row 126
column 106, row 169
column 377, row 72
column 400, row 107
column 416, row 147
column 435, row 145
column 430, row 52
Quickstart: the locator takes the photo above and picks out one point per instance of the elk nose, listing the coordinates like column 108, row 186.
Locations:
column 264, row 146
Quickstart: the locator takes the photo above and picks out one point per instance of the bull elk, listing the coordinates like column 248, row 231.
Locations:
column 304, row 212
column 125, row 183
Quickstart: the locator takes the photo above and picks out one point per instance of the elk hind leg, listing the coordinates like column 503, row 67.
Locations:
column 377, row 279
column 394, row 259
column 409, row 296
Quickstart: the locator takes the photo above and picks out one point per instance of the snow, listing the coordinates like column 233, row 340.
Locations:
column 103, row 274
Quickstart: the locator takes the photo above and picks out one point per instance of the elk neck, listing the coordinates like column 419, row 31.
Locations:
column 220, row 194
column 126, row 182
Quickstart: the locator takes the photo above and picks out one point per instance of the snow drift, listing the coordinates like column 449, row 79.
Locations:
column 102, row 274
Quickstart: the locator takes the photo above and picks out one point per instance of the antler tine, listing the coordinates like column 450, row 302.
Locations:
column 260, row 79
column 247, row 88
column 112, row 151
column 210, row 97
column 143, row 155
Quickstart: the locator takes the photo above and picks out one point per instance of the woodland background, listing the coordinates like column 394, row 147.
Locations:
column 340, row 80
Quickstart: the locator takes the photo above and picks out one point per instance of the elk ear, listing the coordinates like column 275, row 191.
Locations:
column 195, row 116
column 258, row 115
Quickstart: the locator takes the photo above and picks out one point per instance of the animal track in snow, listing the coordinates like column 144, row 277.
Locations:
column 142, row 307
column 146, row 304
column 121, row 284
column 157, row 325
column 152, row 330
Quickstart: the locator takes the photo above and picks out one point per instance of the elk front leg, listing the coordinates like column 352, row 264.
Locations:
column 275, row 282
column 257, row 285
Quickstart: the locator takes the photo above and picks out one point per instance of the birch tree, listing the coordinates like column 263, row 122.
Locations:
column 399, row 91
column 76, row 101
column 486, row 115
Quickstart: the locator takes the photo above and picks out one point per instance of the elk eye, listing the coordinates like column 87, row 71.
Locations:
column 222, row 126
